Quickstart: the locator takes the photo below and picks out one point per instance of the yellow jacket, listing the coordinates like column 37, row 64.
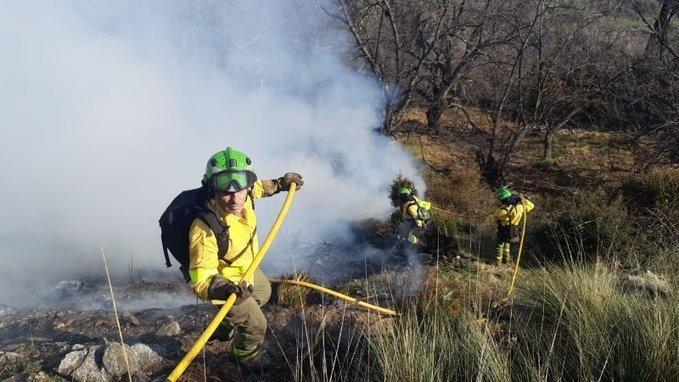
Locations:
column 507, row 215
column 204, row 260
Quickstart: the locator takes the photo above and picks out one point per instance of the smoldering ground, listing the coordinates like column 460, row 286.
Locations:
column 109, row 109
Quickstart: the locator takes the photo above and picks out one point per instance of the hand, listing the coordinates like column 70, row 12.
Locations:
column 285, row 181
column 221, row 289
column 244, row 292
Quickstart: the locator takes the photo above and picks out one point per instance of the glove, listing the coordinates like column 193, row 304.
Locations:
column 221, row 289
column 285, row 180
column 245, row 292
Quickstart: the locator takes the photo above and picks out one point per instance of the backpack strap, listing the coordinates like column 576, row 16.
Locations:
column 220, row 230
column 165, row 251
column 221, row 233
column 252, row 238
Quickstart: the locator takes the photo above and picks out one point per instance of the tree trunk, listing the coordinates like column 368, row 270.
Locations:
column 436, row 111
column 547, row 145
column 657, row 41
column 492, row 174
column 387, row 122
column 434, row 114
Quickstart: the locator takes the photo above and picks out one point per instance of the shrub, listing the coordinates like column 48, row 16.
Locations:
column 585, row 227
column 574, row 324
column 438, row 347
column 657, row 190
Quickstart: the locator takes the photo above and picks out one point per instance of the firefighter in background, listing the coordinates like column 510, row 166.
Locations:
column 412, row 214
column 508, row 217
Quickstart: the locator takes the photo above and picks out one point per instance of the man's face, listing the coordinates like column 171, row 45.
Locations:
column 232, row 202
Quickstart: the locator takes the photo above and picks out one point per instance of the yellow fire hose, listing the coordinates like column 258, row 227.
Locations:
column 219, row 317
column 336, row 294
column 518, row 257
column 460, row 215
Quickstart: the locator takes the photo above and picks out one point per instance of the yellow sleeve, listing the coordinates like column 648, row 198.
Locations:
column 412, row 210
column 501, row 215
column 517, row 215
column 264, row 188
column 524, row 207
column 203, row 257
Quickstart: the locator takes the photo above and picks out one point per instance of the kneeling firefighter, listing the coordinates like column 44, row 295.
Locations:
column 222, row 243
column 414, row 213
column 508, row 216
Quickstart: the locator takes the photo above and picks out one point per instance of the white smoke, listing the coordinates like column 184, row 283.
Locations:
column 110, row 109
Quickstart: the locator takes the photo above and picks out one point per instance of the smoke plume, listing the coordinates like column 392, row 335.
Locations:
column 111, row 108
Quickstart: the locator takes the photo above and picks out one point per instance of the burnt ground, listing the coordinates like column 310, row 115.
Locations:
column 34, row 342
column 308, row 332
column 39, row 339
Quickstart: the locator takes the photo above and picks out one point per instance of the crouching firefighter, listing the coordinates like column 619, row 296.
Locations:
column 508, row 216
column 219, row 229
column 415, row 215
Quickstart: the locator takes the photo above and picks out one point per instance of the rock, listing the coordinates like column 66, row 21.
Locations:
column 650, row 283
column 172, row 328
column 41, row 376
column 146, row 357
column 114, row 360
column 130, row 318
column 72, row 361
column 140, row 357
column 89, row 371
column 7, row 357
column 81, row 365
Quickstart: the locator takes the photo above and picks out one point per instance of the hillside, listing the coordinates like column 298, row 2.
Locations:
column 450, row 298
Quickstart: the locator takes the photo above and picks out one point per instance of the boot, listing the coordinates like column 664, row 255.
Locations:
column 257, row 360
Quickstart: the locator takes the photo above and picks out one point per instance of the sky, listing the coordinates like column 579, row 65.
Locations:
column 110, row 109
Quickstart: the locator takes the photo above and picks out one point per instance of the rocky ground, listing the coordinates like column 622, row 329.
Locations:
column 81, row 344
column 47, row 345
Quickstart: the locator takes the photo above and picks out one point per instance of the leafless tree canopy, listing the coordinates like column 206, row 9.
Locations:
column 535, row 65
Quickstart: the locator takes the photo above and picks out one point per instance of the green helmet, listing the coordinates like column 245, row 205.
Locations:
column 404, row 192
column 504, row 193
column 229, row 170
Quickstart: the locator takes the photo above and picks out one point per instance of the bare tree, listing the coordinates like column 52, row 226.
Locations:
column 393, row 39
column 559, row 84
column 658, row 44
column 509, row 124
column 470, row 29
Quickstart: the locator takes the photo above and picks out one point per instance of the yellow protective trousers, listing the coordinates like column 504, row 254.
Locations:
column 503, row 253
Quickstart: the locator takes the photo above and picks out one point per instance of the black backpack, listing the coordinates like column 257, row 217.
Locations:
column 176, row 221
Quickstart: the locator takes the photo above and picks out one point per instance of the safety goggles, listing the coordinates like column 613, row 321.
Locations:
column 233, row 181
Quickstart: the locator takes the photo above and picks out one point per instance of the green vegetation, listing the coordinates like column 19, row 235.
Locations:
column 438, row 347
column 572, row 323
